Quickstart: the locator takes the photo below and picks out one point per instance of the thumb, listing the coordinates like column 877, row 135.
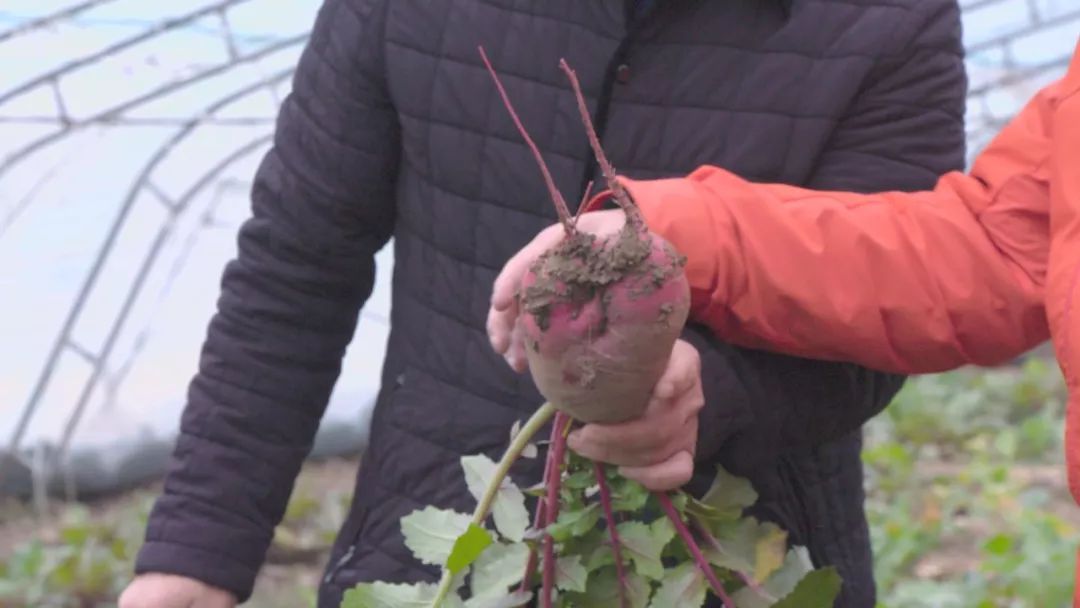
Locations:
column 506, row 284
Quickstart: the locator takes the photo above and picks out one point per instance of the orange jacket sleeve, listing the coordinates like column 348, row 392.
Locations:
column 976, row 271
column 905, row 282
column 1063, row 279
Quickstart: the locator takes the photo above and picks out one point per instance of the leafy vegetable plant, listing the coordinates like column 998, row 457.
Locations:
column 613, row 543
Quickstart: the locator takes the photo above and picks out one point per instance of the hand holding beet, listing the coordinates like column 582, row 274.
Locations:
column 656, row 449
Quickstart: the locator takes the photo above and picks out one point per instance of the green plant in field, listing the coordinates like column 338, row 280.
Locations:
column 966, row 504
column 86, row 568
column 309, row 526
column 1021, row 408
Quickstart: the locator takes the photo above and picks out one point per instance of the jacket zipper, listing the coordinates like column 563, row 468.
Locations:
column 361, row 515
column 339, row 564
column 634, row 24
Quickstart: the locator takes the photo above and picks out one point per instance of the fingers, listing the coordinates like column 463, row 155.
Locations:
column 219, row 601
column 666, row 428
column 671, row 474
column 635, row 443
column 503, row 313
column 502, row 295
column 668, row 425
column 515, row 355
column 682, row 372
column 170, row 591
column 500, row 327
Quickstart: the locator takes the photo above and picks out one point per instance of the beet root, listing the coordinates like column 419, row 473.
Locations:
column 600, row 318
column 600, row 315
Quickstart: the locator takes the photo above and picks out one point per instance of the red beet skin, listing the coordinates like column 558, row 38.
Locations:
column 601, row 316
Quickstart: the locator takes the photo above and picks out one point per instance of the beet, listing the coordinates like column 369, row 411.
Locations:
column 599, row 318
column 600, row 315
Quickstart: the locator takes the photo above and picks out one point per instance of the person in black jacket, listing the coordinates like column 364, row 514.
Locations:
column 394, row 130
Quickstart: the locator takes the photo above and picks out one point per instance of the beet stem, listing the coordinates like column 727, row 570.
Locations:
column 633, row 214
column 535, row 422
column 551, row 509
column 539, row 519
column 616, row 544
column 556, row 196
column 584, row 201
column 530, row 565
column 691, row 544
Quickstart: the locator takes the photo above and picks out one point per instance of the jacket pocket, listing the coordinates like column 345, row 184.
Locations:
column 355, row 531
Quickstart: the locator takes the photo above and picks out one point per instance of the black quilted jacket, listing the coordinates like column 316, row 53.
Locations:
column 393, row 129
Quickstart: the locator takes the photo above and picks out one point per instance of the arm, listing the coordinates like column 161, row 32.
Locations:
column 322, row 207
column 906, row 282
column 903, row 130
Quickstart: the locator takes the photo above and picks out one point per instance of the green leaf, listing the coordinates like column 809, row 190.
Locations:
column 735, row 547
column 643, row 544
column 628, row 495
column 682, row 586
column 467, row 548
column 747, row 545
column 30, row 562
column 63, row 575
column 75, row 535
column 726, row 499
column 782, row 582
column 770, row 550
column 498, row 567
column 679, row 500
column 579, row 480
column 431, row 533
column 574, row 523
column 600, row 556
column 602, row 590
column 570, row 575
column 999, row 544
column 119, row 549
column 817, row 590
column 506, row 600
column 508, row 510
column 387, row 595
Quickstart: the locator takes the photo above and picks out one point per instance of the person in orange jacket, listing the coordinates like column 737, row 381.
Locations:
column 977, row 271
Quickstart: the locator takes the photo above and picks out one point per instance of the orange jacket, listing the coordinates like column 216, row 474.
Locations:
column 978, row 270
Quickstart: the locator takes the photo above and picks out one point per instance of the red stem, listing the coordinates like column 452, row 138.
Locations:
column 616, row 544
column 584, row 201
column 745, row 578
column 557, row 452
column 539, row 519
column 691, row 544
column 538, row 523
column 556, row 196
column 621, row 197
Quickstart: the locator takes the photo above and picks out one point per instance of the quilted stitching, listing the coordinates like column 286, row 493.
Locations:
column 393, row 129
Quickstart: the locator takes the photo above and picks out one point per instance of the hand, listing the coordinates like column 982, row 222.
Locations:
column 503, row 314
column 657, row 449
column 171, row 591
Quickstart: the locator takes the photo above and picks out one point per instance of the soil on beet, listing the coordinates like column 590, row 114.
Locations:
column 582, row 267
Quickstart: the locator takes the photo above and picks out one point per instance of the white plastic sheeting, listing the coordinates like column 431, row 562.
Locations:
column 177, row 111
column 59, row 203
